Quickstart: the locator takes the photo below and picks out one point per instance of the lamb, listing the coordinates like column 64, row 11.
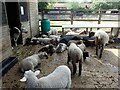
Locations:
column 53, row 32
column 49, row 49
column 30, row 62
column 59, row 78
column 83, row 48
column 72, row 33
column 101, row 39
column 61, row 47
column 75, row 55
column 43, row 41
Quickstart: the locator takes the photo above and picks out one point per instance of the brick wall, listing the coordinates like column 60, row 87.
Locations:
column 34, row 16
column 5, row 47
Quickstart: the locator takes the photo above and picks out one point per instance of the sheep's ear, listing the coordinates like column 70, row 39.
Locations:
column 37, row 72
column 23, row 79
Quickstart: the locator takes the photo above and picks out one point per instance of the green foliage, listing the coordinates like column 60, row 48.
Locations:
column 42, row 5
column 105, row 6
column 45, row 5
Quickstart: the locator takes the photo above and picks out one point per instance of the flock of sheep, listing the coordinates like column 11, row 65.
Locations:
column 61, row 76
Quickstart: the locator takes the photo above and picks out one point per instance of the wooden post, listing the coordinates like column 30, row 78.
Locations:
column 42, row 14
column 72, row 17
column 100, row 15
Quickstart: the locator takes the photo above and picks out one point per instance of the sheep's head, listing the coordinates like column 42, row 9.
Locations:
column 28, row 74
column 91, row 34
column 43, row 55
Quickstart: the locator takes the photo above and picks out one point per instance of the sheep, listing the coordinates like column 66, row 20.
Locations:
column 30, row 62
column 59, row 78
column 72, row 33
column 14, row 34
column 83, row 48
column 43, row 41
column 75, row 55
column 101, row 39
column 61, row 47
column 74, row 41
column 49, row 49
column 53, row 32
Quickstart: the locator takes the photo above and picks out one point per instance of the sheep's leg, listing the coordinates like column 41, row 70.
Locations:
column 74, row 68
column 101, row 51
column 69, row 84
column 68, row 60
column 96, row 49
column 80, row 67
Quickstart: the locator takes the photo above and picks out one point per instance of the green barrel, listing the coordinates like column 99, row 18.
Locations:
column 45, row 25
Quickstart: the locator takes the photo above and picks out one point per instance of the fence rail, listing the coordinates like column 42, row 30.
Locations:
column 70, row 15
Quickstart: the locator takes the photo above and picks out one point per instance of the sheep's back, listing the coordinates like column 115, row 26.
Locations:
column 59, row 78
column 75, row 53
column 102, row 35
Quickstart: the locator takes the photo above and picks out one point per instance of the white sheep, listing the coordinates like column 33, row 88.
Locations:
column 83, row 48
column 61, row 47
column 75, row 55
column 72, row 33
column 30, row 62
column 53, row 32
column 59, row 78
column 101, row 39
column 43, row 41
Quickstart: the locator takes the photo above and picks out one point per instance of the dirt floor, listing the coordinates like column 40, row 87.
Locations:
column 96, row 73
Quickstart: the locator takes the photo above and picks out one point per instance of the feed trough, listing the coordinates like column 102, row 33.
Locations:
column 7, row 64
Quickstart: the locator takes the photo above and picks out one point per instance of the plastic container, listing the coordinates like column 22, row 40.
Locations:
column 45, row 25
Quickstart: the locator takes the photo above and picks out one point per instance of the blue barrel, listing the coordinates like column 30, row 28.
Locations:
column 45, row 25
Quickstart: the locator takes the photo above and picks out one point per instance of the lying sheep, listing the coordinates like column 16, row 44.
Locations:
column 74, row 41
column 43, row 41
column 61, row 47
column 101, row 39
column 59, row 78
column 53, row 32
column 75, row 55
column 49, row 49
column 72, row 33
column 30, row 62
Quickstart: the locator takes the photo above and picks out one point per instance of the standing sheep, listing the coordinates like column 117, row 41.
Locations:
column 101, row 39
column 59, row 78
column 75, row 55
column 29, row 63
column 83, row 48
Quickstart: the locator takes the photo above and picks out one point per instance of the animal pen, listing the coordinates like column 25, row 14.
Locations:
column 96, row 73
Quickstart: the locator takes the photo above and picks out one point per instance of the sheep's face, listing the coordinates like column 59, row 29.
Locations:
column 43, row 55
column 28, row 74
column 91, row 34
